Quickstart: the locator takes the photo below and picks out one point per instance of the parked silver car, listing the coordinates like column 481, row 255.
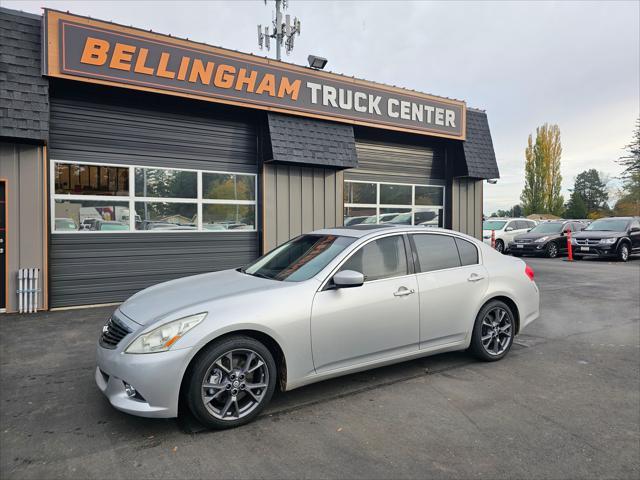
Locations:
column 324, row 304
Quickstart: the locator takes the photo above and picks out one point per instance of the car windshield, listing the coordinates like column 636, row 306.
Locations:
column 493, row 225
column 550, row 227
column 609, row 225
column 300, row 258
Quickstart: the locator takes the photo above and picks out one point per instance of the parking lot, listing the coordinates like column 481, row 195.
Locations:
column 564, row 404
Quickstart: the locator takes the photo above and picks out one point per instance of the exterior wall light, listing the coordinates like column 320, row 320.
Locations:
column 316, row 62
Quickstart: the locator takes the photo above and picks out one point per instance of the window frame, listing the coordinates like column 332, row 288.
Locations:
column 377, row 206
column 132, row 199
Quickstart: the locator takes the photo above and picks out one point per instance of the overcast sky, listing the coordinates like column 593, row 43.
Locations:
column 571, row 63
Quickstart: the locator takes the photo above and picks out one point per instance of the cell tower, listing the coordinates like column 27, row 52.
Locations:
column 283, row 32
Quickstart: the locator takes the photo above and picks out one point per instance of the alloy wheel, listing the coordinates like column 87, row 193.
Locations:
column 235, row 384
column 624, row 253
column 499, row 246
column 496, row 331
column 553, row 250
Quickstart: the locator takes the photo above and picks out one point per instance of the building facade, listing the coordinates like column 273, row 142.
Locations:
column 128, row 158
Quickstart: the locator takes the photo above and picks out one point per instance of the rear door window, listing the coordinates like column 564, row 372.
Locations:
column 468, row 252
column 435, row 252
column 382, row 258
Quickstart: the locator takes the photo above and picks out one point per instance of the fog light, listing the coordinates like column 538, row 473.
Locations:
column 129, row 390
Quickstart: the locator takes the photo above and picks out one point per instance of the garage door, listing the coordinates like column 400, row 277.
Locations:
column 146, row 152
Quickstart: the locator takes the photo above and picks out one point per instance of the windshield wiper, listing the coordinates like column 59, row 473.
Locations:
column 259, row 275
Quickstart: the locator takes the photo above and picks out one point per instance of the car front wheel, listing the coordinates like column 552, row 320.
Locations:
column 499, row 246
column 623, row 252
column 552, row 250
column 493, row 332
column 231, row 382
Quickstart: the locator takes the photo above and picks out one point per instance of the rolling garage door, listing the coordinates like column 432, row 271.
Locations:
column 136, row 129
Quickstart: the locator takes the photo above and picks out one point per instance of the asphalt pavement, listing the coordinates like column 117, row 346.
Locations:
column 565, row 403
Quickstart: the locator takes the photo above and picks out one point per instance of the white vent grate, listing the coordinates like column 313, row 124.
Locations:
column 28, row 289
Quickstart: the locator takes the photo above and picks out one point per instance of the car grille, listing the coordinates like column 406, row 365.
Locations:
column 113, row 331
column 587, row 241
column 523, row 240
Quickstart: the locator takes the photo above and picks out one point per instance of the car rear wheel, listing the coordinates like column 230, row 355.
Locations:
column 623, row 252
column 493, row 332
column 552, row 250
column 499, row 246
column 231, row 382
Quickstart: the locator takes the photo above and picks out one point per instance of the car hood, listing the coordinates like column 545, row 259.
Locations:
column 534, row 236
column 165, row 299
column 591, row 234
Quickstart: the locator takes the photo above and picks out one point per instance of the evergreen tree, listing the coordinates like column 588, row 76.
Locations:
column 593, row 191
column 629, row 202
column 576, row 207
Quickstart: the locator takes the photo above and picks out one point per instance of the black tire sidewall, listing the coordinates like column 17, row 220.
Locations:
column 202, row 363
column 500, row 242
column 476, row 347
column 624, row 245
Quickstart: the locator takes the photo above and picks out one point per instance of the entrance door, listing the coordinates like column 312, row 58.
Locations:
column 3, row 245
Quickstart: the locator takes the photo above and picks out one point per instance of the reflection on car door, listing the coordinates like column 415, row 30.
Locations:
column 451, row 283
column 379, row 319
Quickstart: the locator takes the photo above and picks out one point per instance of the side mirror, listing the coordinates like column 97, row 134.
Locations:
column 635, row 229
column 348, row 279
column 529, row 229
column 508, row 229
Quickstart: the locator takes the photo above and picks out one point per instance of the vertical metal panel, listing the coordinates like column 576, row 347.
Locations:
column 302, row 199
column 329, row 197
column 466, row 206
column 307, row 199
column 22, row 167
column 340, row 198
column 295, row 196
column 318, row 198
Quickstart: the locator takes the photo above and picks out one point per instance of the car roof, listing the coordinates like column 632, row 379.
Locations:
column 359, row 231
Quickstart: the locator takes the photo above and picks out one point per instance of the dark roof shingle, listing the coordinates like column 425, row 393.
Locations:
column 24, row 92
column 302, row 140
column 478, row 150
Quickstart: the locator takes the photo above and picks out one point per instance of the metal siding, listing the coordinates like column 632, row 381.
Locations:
column 118, row 133
column 466, row 206
column 302, row 199
column 390, row 162
column 22, row 167
column 102, row 268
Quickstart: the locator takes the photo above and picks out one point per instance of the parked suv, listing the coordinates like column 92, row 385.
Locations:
column 616, row 237
column 506, row 230
column 547, row 238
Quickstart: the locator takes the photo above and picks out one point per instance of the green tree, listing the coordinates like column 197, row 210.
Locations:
column 543, row 181
column 576, row 207
column 516, row 211
column 593, row 191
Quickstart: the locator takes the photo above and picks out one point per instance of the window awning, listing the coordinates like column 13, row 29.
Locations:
column 307, row 141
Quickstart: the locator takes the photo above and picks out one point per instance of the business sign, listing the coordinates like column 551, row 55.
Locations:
column 100, row 52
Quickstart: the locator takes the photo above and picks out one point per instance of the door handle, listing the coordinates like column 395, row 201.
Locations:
column 474, row 277
column 402, row 291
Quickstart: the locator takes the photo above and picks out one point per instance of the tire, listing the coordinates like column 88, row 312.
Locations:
column 623, row 252
column 552, row 250
column 500, row 246
column 223, row 365
column 491, row 350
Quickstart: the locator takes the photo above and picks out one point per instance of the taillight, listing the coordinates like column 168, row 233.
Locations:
column 529, row 272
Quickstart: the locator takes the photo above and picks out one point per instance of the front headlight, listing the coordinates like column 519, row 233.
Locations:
column 608, row 240
column 165, row 336
column 542, row 239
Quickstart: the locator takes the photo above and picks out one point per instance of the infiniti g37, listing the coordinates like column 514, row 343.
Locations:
column 324, row 304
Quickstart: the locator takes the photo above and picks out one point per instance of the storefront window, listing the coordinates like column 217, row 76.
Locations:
column 400, row 204
column 159, row 199
column 90, row 215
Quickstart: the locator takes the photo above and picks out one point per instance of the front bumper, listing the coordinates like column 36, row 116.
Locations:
column 532, row 248
column 155, row 376
column 600, row 250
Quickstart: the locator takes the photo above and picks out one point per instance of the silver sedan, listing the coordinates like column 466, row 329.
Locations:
column 324, row 304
